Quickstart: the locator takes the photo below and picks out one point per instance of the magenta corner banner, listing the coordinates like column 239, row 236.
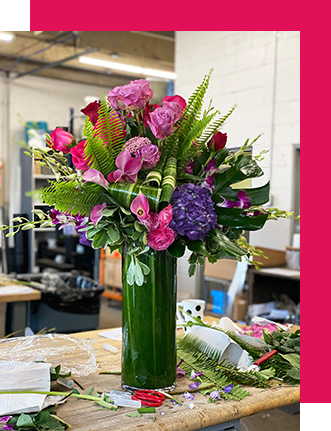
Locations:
column 315, row 119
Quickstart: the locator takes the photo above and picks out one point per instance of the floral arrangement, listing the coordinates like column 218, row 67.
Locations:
column 153, row 177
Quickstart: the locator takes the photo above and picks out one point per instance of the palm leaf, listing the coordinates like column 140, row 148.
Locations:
column 214, row 127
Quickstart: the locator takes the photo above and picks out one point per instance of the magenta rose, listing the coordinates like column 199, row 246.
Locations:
column 218, row 141
column 161, row 121
column 176, row 103
column 91, row 110
column 150, row 155
column 132, row 96
column 61, row 140
column 160, row 239
column 79, row 156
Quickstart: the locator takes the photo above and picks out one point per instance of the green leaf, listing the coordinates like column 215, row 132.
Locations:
column 146, row 410
column 16, row 219
column 99, row 239
column 106, row 405
column 139, row 276
column 176, row 249
column 109, row 212
column 75, row 391
column 11, row 233
column 268, row 373
column 198, row 247
column 25, row 421
column 292, row 358
column 230, row 247
column 133, row 415
column 90, row 391
column 113, row 234
column 294, row 373
column 257, row 196
column 233, row 217
column 139, row 227
column 136, row 235
column 145, row 269
column 191, row 270
column 130, row 271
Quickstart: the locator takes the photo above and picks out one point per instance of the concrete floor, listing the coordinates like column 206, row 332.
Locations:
column 271, row 420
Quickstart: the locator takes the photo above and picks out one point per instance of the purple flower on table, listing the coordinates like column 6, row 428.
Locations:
column 175, row 403
column 161, row 122
column 150, row 155
column 3, row 423
column 195, row 375
column 180, row 373
column 97, row 213
column 94, row 176
column 128, row 168
column 215, row 394
column 188, row 396
column 194, row 386
column 131, row 96
column 243, row 200
column 193, row 211
column 228, row 388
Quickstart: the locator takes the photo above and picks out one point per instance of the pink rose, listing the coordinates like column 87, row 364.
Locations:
column 150, row 155
column 61, row 140
column 218, row 141
column 165, row 217
column 132, row 96
column 161, row 121
column 176, row 103
column 160, row 239
column 91, row 110
column 79, row 156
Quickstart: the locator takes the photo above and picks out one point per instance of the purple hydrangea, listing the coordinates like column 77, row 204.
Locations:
column 193, row 211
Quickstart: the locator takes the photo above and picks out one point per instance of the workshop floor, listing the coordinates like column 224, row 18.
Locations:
column 271, row 420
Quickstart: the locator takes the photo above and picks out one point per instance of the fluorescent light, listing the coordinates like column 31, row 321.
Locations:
column 6, row 37
column 127, row 68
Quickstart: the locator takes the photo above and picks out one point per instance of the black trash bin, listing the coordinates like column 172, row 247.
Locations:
column 69, row 304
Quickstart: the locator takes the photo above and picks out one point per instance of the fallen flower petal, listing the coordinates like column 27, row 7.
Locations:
column 175, row 403
column 191, row 405
column 188, row 396
column 215, row 394
column 195, row 375
column 180, row 373
column 194, row 385
column 228, row 388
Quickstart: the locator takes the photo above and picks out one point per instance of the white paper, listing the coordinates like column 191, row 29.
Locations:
column 113, row 334
column 264, row 308
column 23, row 376
column 13, row 290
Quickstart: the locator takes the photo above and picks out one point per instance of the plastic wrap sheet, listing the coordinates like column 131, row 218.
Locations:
column 72, row 353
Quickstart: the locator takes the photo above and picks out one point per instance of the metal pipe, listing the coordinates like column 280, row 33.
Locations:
column 54, row 64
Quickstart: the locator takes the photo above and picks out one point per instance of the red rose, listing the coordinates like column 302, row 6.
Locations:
column 218, row 141
column 91, row 110
column 61, row 140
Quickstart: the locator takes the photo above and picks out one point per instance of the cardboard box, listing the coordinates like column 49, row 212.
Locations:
column 223, row 269
column 275, row 257
column 113, row 272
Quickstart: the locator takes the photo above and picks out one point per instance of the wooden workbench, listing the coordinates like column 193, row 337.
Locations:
column 85, row 416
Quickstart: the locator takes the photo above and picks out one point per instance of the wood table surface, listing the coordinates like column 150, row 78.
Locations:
column 33, row 295
column 86, row 416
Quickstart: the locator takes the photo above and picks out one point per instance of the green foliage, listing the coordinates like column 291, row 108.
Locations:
column 214, row 127
column 70, row 196
column 41, row 421
column 96, row 150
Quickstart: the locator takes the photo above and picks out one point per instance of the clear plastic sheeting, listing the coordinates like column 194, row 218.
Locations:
column 74, row 354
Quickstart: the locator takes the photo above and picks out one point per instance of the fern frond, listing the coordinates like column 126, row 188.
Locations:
column 109, row 129
column 214, row 127
column 71, row 197
column 96, row 150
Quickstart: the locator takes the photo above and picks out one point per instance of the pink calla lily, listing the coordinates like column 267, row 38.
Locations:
column 128, row 168
column 97, row 213
column 95, row 176
column 140, row 207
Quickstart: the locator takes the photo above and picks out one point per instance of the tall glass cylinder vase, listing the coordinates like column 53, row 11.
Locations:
column 149, row 325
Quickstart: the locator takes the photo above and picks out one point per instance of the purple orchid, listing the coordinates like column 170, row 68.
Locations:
column 227, row 203
column 128, row 168
column 228, row 388
column 84, row 241
column 140, row 207
column 194, row 386
column 188, row 396
column 95, row 176
column 97, row 213
column 195, row 375
column 189, row 168
column 3, row 423
column 215, row 394
column 57, row 217
column 243, row 200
